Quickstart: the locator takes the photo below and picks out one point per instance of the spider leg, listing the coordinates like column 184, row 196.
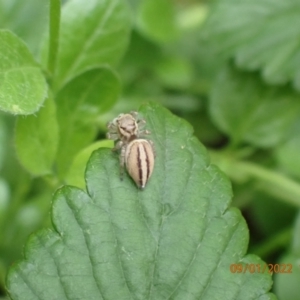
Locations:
column 118, row 146
column 134, row 114
column 144, row 132
column 152, row 146
column 122, row 161
column 112, row 136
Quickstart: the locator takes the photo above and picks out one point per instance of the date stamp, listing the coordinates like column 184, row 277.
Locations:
column 261, row 268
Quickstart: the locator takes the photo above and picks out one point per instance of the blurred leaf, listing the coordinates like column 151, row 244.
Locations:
column 28, row 218
column 93, row 33
column 207, row 65
column 176, row 239
column 134, row 4
column 23, row 88
column 140, row 57
column 76, row 172
column 295, row 247
column 265, row 210
column 156, row 19
column 174, row 72
column 192, row 16
column 260, row 35
column 287, row 285
column 204, row 129
column 18, row 185
column 248, row 110
column 20, row 221
column 4, row 200
column 180, row 103
column 27, row 19
column 141, row 53
column 36, row 139
column 287, row 153
column 3, row 140
column 79, row 103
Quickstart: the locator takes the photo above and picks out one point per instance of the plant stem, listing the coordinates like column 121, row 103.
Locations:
column 54, row 35
column 271, row 181
column 52, row 181
column 281, row 239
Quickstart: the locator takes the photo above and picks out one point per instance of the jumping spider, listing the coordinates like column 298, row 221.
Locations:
column 136, row 153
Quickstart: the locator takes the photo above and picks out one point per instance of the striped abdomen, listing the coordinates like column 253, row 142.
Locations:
column 139, row 159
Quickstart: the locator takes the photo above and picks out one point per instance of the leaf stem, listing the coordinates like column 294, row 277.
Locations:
column 54, row 35
column 271, row 181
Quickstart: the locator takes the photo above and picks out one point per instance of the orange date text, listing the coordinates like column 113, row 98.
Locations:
column 261, row 268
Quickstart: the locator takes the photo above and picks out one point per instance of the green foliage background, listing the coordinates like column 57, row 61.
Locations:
column 231, row 68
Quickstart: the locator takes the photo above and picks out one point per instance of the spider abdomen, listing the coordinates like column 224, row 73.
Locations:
column 139, row 160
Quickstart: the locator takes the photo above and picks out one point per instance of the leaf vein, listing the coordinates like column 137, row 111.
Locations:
column 87, row 247
column 24, row 277
column 56, row 266
column 216, row 265
column 81, row 51
column 115, row 235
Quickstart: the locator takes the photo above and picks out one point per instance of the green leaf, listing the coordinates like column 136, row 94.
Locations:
column 174, row 240
column 265, row 210
column 174, row 72
column 192, row 15
column 260, row 35
column 20, row 184
column 141, row 54
column 18, row 223
column 156, row 19
column 286, row 285
column 22, row 221
column 26, row 19
column 4, row 199
column 248, row 110
column 93, row 33
column 23, row 88
column 79, row 104
column 3, row 140
column 288, row 156
column 36, row 139
column 75, row 175
column 287, row 153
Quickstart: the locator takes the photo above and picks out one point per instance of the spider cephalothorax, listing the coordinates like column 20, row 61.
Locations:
column 136, row 153
column 126, row 127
